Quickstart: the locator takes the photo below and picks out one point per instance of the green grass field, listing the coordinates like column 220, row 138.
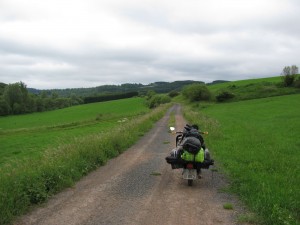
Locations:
column 44, row 153
column 254, row 88
column 220, row 86
column 29, row 135
column 257, row 143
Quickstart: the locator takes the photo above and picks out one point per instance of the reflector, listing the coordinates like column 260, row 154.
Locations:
column 189, row 166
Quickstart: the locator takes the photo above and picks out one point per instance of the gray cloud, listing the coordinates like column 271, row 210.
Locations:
column 109, row 42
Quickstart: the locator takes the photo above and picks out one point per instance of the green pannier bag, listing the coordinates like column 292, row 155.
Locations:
column 199, row 157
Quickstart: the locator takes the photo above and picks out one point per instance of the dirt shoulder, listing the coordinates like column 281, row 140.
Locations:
column 139, row 187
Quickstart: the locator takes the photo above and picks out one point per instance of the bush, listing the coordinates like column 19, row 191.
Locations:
column 157, row 100
column 196, row 92
column 4, row 107
column 297, row 83
column 288, row 80
column 289, row 74
column 173, row 94
column 223, row 96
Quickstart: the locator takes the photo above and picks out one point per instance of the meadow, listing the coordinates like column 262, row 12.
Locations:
column 97, row 132
column 30, row 135
column 219, row 86
column 253, row 88
column 256, row 143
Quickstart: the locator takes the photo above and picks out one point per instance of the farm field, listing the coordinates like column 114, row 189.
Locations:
column 29, row 135
column 257, row 144
column 63, row 153
column 253, row 88
column 215, row 87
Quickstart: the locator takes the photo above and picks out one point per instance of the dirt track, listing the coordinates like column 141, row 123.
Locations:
column 139, row 187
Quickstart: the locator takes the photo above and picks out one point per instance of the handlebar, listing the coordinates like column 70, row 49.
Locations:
column 200, row 132
column 188, row 128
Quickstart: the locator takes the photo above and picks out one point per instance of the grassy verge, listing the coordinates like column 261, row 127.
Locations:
column 33, row 181
column 257, row 144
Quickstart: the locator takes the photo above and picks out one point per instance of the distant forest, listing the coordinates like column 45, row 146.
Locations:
column 158, row 87
column 18, row 99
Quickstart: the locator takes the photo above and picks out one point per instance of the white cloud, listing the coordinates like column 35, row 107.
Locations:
column 64, row 43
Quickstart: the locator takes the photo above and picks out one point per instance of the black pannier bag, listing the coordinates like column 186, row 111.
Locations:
column 175, row 158
column 193, row 133
column 190, row 131
column 191, row 144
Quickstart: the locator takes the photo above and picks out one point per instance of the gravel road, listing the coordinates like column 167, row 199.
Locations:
column 139, row 187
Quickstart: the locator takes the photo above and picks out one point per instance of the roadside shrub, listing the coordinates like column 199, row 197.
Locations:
column 173, row 94
column 157, row 100
column 150, row 94
column 224, row 95
column 196, row 92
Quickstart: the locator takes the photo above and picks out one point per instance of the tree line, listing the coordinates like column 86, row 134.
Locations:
column 109, row 97
column 158, row 87
column 16, row 99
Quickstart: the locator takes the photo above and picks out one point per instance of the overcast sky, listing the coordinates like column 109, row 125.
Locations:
column 86, row 43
